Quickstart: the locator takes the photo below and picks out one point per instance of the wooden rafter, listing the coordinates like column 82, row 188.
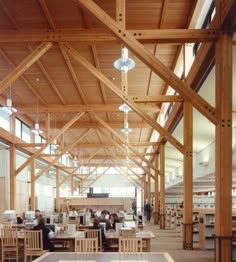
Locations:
column 152, row 62
column 94, row 180
column 66, row 149
column 24, row 65
column 124, row 97
column 120, row 138
column 124, row 150
column 87, row 160
column 81, row 108
column 91, row 36
column 39, row 151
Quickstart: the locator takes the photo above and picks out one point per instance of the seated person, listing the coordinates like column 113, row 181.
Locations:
column 96, row 225
column 102, row 219
column 73, row 213
column 19, row 220
column 38, row 214
column 45, row 231
column 113, row 219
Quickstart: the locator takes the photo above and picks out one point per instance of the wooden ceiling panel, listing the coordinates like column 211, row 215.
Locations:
column 69, row 17
column 150, row 20
column 177, row 13
column 109, row 7
column 26, row 14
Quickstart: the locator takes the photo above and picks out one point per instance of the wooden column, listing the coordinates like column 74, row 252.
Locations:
column 156, row 204
column 188, row 177
column 162, row 186
column 72, row 184
column 57, row 190
column 32, row 185
column 223, row 151
column 188, row 160
column 12, row 194
column 149, row 187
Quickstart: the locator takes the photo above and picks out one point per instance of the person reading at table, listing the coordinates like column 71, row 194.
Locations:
column 103, row 219
column 113, row 219
column 45, row 231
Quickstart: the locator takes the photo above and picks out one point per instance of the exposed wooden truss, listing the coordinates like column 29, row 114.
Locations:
column 152, row 62
column 91, row 36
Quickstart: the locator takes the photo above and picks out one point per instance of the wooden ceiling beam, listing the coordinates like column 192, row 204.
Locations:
column 120, row 138
column 124, row 97
column 95, row 179
column 125, row 152
column 89, row 145
column 81, row 108
column 156, row 99
column 100, row 36
column 151, row 61
column 66, row 149
column 24, row 65
column 39, row 151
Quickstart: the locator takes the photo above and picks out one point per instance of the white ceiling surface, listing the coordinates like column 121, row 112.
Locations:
column 203, row 131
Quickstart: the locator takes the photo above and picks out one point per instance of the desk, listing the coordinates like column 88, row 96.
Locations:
column 145, row 235
column 66, row 240
column 105, row 257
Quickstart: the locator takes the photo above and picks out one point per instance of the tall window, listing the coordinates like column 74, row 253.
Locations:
column 4, row 120
column 22, row 131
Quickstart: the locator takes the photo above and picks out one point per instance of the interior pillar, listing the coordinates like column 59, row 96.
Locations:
column 57, row 190
column 156, row 203
column 223, row 151
column 12, row 177
column 32, row 186
column 162, row 186
column 188, row 177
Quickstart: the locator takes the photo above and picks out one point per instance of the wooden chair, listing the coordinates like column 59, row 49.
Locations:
column 33, row 244
column 127, row 232
column 130, row 245
column 87, row 245
column 9, row 242
column 95, row 233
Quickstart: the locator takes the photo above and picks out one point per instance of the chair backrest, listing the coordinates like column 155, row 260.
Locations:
column 127, row 232
column 87, row 245
column 33, row 240
column 130, row 245
column 9, row 237
column 95, row 233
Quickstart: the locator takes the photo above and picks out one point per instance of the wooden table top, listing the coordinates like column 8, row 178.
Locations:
column 105, row 257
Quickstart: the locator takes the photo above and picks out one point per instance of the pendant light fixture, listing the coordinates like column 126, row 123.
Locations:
column 124, row 63
column 36, row 130
column 8, row 108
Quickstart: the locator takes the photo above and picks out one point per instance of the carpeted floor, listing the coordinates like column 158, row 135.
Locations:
column 171, row 242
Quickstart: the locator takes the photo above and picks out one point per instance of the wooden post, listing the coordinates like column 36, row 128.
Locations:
column 149, row 187
column 188, row 177
column 57, row 190
column 32, row 186
column 188, row 162
column 72, row 184
column 12, row 177
column 223, row 151
column 156, row 204
column 162, row 186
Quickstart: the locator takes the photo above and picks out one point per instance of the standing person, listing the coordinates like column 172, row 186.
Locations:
column 147, row 210
column 134, row 207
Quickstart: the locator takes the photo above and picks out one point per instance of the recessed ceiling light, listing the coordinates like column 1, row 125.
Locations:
column 37, row 79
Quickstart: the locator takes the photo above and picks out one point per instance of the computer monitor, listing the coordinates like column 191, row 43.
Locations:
column 130, row 224
column 81, row 219
column 29, row 215
column 52, row 227
column 9, row 215
column 103, row 226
